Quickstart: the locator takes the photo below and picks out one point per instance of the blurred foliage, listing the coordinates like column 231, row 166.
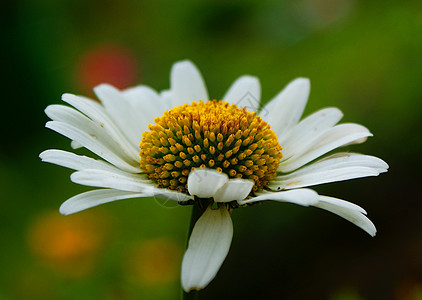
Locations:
column 362, row 56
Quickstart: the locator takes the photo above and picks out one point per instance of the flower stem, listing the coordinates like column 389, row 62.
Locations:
column 196, row 213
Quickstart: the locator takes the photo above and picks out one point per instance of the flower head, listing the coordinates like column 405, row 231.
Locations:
column 180, row 145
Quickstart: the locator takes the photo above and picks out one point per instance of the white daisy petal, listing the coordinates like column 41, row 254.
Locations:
column 331, row 139
column 204, row 183
column 288, row 106
column 348, row 211
column 166, row 98
column 187, row 84
column 146, row 103
column 97, row 113
column 91, row 143
column 303, row 197
column 308, row 129
column 76, row 119
column 93, row 198
column 166, row 194
column 75, row 145
column 234, row 190
column 208, row 246
column 321, row 177
column 244, row 92
column 336, row 167
column 75, row 162
column 114, row 180
column 343, row 160
column 120, row 111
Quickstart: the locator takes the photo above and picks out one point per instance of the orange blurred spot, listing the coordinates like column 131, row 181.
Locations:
column 107, row 64
column 69, row 244
column 154, row 262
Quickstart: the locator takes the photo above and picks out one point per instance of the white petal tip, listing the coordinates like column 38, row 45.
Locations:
column 302, row 80
column 64, row 212
column 208, row 246
column 183, row 63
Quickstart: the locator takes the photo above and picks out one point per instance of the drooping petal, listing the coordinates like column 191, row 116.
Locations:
column 245, row 92
column 93, row 144
column 102, row 131
column 125, row 182
column 336, row 167
column 303, row 197
column 286, row 108
column 343, row 160
column 316, row 178
column 205, row 183
column 208, row 246
column 93, row 198
column 97, row 113
column 75, row 162
column 234, row 190
column 166, row 194
column 187, row 84
column 113, row 180
column 348, row 211
column 309, row 129
column 331, row 139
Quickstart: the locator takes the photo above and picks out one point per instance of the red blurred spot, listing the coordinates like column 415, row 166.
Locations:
column 107, row 64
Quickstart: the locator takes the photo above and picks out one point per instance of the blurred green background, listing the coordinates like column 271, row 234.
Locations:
column 364, row 57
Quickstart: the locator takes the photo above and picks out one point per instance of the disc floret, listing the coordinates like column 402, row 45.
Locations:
column 212, row 134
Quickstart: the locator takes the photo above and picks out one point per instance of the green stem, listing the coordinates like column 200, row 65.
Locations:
column 196, row 213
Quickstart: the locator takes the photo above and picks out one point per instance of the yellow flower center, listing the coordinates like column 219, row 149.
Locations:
column 213, row 135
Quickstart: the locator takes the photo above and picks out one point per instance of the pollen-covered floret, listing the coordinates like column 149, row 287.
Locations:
column 213, row 135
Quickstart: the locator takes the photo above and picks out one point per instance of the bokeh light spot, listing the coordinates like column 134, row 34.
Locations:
column 111, row 64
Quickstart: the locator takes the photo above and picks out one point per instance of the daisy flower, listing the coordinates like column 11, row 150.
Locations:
column 215, row 154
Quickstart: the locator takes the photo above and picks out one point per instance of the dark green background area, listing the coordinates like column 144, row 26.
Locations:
column 364, row 57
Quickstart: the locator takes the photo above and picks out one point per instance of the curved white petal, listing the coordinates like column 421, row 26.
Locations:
column 125, row 182
column 331, row 139
column 75, row 162
column 348, row 211
column 303, row 197
column 234, row 190
column 336, row 167
column 343, row 160
column 286, row 108
column 309, row 129
column 92, row 143
column 93, row 198
column 120, row 111
column 245, row 92
column 321, row 177
column 186, row 84
column 97, row 113
column 166, row 194
column 113, row 180
column 115, row 142
column 205, row 183
column 208, row 246
column 75, row 145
